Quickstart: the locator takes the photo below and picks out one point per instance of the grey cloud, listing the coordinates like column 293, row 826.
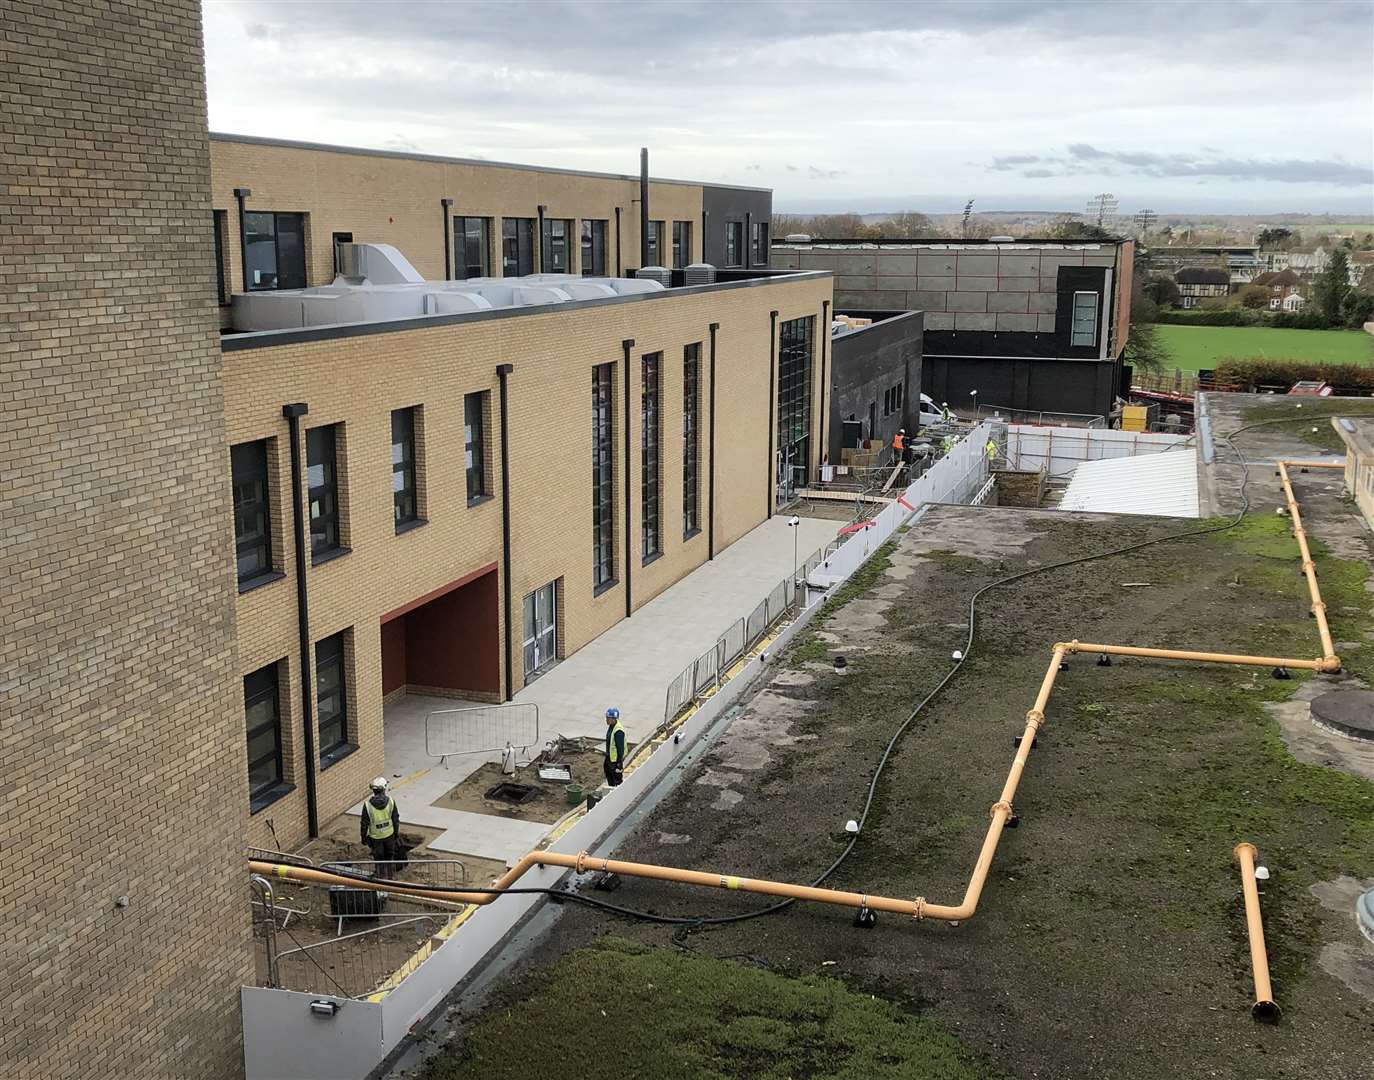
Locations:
column 1084, row 158
column 791, row 168
column 823, row 174
column 1012, row 161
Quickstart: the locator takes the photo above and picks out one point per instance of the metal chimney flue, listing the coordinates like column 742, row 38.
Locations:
column 644, row 206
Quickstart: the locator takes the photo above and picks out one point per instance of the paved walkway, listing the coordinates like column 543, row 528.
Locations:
column 632, row 663
column 629, row 666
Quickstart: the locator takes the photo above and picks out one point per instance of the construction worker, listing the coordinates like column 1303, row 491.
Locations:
column 899, row 446
column 991, row 450
column 381, row 828
column 946, row 417
column 947, row 444
column 614, row 764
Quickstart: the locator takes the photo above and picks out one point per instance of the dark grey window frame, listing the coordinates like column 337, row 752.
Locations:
column 651, row 430
column 463, row 266
column 407, row 468
column 656, row 231
column 517, row 246
column 331, row 682
column 281, row 279
column 603, row 477
column 796, row 341
column 691, row 440
column 475, row 445
column 259, row 687
column 249, row 466
column 553, row 243
column 593, row 247
column 734, row 243
column 759, row 243
column 326, row 522
column 682, row 244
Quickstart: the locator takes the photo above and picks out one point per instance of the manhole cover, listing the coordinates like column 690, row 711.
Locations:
column 515, row 794
column 1346, row 712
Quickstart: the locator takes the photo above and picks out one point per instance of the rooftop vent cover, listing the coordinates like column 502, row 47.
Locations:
column 661, row 274
column 699, row 274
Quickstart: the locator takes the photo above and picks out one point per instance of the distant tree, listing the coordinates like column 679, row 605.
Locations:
column 1167, row 232
column 1254, row 297
column 1145, row 350
column 1070, row 228
column 1332, row 286
column 1275, row 239
column 1161, row 289
column 910, row 225
column 1357, row 309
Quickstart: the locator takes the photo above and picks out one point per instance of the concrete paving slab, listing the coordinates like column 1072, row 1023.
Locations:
column 631, row 665
column 488, row 836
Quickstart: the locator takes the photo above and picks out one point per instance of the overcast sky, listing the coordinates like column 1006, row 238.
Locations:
column 1177, row 106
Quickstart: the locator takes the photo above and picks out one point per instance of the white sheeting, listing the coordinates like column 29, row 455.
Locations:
column 1164, row 485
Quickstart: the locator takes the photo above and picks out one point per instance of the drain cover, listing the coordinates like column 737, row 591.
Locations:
column 1347, row 712
column 512, row 793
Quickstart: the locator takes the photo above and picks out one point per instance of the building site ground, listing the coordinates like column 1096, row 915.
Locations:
column 1111, row 939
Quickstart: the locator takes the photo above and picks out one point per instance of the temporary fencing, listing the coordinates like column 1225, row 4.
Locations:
column 481, row 729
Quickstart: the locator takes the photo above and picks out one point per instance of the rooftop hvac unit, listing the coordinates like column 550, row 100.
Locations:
column 699, row 274
column 797, row 238
column 1001, row 239
column 661, row 274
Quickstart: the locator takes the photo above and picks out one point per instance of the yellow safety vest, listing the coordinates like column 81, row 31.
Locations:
column 379, row 825
column 992, row 450
column 612, row 754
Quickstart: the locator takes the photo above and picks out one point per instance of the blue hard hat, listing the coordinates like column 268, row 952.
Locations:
column 612, row 714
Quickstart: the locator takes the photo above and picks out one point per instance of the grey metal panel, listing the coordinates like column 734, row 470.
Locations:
column 897, row 265
column 967, row 301
column 977, row 265
column 1046, row 323
column 973, row 283
column 870, row 299
column 1015, row 322
column 942, row 262
column 284, row 1040
column 926, row 299
column 1008, row 301
column 974, row 321
column 1018, row 284
column 840, row 264
column 1044, row 302
column 1018, row 265
column 939, row 320
column 933, row 282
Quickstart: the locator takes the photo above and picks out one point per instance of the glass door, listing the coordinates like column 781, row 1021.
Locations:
column 541, row 631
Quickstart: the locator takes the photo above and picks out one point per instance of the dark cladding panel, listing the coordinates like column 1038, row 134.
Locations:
column 727, row 204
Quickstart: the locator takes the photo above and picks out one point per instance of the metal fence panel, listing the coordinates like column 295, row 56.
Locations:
column 756, row 624
column 482, row 729
column 731, row 645
column 704, row 671
column 679, row 694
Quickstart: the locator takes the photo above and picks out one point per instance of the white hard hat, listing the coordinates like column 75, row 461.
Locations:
column 379, row 784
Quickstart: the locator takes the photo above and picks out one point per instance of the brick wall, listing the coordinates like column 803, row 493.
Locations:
column 357, row 381
column 121, row 716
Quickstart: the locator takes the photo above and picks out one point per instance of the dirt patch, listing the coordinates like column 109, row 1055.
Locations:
column 549, row 801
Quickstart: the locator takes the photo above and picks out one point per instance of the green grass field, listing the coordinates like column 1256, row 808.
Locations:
column 1197, row 347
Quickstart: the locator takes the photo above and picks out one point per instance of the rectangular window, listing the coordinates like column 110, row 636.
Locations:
column 517, row 247
column 557, row 245
column 252, row 518
column 474, row 444
column 1084, row 329
column 734, row 243
column 322, row 480
column 794, row 404
column 471, row 247
column 760, row 242
column 541, row 631
column 691, row 383
column 331, row 696
column 403, row 484
column 593, row 248
column 650, row 536
column 263, row 720
column 655, row 243
column 682, row 244
column 275, row 244
column 338, row 240
column 221, row 218
column 603, row 478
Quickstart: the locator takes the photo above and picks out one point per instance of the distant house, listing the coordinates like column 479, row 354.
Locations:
column 1198, row 283
column 1281, row 284
column 1292, row 302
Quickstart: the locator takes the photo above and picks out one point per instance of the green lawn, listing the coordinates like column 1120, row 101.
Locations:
column 1197, row 347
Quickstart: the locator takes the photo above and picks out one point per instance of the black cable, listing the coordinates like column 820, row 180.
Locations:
column 696, row 922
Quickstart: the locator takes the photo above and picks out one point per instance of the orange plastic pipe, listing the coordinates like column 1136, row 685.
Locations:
column 1265, row 1007
column 1309, row 568
column 1204, row 657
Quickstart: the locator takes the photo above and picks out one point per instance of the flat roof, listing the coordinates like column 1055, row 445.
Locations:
column 942, row 242
column 328, row 148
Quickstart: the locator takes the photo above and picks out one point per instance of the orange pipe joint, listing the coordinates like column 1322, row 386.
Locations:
column 1265, row 1008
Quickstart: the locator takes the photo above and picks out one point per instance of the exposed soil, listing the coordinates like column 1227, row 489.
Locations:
column 1110, row 940
column 548, row 804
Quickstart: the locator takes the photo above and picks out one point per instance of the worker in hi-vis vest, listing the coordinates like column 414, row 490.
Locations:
column 381, row 828
column 991, row 450
column 614, row 765
column 899, row 446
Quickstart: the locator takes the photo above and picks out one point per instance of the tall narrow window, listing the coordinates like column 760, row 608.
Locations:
column 263, row 720
column 691, row 382
column 275, row 246
column 474, row 444
column 252, row 511
column 760, row 242
column 322, row 478
column 221, row 218
column 603, row 478
column 734, row 243
column 794, row 404
column 1084, row 330
column 593, row 248
column 403, row 485
column 655, row 243
column 331, row 697
column 517, row 246
column 682, row 244
column 471, row 247
column 557, row 241
column 650, row 535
